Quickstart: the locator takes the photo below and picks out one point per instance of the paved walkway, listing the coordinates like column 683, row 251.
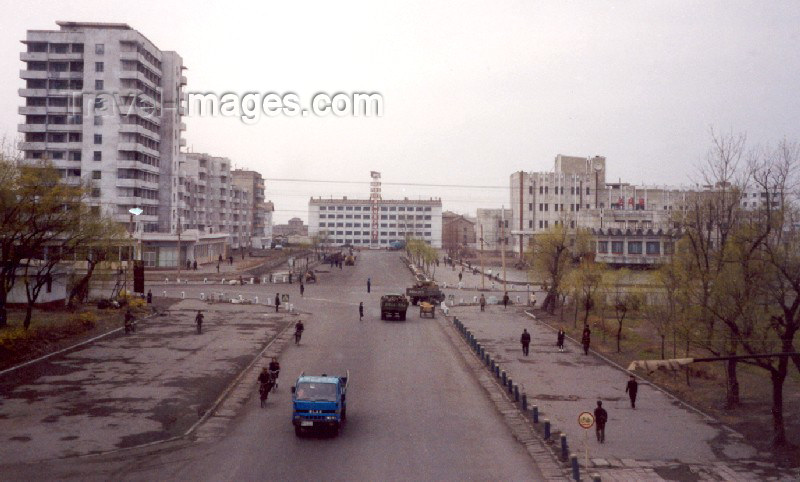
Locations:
column 661, row 439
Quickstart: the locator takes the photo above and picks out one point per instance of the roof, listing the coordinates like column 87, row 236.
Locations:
column 318, row 379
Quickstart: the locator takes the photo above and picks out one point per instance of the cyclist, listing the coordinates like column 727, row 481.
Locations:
column 265, row 385
column 298, row 331
column 274, row 371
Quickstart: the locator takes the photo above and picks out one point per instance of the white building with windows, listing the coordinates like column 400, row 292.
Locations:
column 349, row 221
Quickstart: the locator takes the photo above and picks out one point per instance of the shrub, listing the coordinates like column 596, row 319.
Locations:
column 87, row 319
column 135, row 303
column 10, row 336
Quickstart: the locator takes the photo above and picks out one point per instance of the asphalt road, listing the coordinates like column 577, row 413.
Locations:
column 414, row 411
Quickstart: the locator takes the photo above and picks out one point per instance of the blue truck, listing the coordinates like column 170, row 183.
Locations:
column 319, row 402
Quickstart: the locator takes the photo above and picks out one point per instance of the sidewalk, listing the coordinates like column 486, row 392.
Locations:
column 662, row 437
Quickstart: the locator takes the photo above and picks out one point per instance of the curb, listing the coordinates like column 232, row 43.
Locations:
column 71, row 347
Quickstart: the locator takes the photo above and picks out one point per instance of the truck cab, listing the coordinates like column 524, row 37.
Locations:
column 319, row 402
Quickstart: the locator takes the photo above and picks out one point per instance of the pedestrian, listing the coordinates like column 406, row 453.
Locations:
column 483, row 303
column 217, row 267
column 586, row 339
column 219, row 260
column 290, row 277
column 460, row 275
column 199, row 320
column 188, row 264
column 302, row 288
column 194, row 265
column 369, row 284
column 506, row 299
column 230, row 260
column 631, row 389
column 277, row 301
column 130, row 325
column 525, row 339
column 149, row 297
column 361, row 311
column 600, row 419
column 560, row 341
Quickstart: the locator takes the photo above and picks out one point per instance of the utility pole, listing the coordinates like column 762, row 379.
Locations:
column 483, row 280
column 503, row 243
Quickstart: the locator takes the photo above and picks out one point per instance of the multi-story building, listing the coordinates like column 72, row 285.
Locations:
column 458, row 232
column 632, row 225
column 101, row 103
column 493, row 227
column 261, row 214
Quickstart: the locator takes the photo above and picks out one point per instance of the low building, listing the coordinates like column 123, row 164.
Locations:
column 458, row 232
column 294, row 227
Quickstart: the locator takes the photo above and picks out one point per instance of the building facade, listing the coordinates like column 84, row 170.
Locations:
column 458, row 232
column 493, row 228
column 102, row 103
column 261, row 213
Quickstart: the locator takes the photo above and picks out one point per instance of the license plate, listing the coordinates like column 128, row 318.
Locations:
column 306, row 424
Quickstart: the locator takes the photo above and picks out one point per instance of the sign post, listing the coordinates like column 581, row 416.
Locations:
column 586, row 420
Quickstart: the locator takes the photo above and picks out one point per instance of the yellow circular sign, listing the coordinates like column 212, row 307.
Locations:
column 586, row 420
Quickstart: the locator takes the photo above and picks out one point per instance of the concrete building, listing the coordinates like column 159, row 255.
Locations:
column 101, row 102
column 633, row 225
column 493, row 226
column 294, row 227
column 261, row 214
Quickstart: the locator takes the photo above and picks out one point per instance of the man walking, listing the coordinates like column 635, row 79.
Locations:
column 277, row 301
column 506, row 299
column 631, row 389
column 361, row 311
column 369, row 284
column 560, row 339
column 525, row 339
column 600, row 419
column 199, row 320
column 302, row 288
column 483, row 303
column 586, row 339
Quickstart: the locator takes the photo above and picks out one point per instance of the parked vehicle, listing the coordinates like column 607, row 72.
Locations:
column 319, row 402
column 427, row 309
column 425, row 291
column 394, row 305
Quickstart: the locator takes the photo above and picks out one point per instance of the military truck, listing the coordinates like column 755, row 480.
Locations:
column 425, row 291
column 394, row 305
column 319, row 402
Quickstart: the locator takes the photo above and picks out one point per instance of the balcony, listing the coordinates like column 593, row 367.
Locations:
column 64, row 127
column 136, row 183
column 183, row 126
column 183, row 80
column 135, row 146
column 139, row 130
column 64, row 75
column 183, row 142
column 65, row 56
column 32, row 92
column 32, row 74
column 32, row 110
column 141, row 59
column 33, row 56
column 32, row 128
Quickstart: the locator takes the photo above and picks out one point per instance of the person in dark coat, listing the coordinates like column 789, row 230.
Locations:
column 369, row 284
column 600, row 419
column 560, row 339
column 149, row 297
column 525, row 339
column 631, row 389
column 483, row 303
column 506, row 299
column 194, row 265
column 586, row 339
column 230, row 260
column 302, row 288
column 277, row 301
column 361, row 311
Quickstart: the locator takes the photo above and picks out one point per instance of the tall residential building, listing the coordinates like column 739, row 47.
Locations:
column 261, row 213
column 102, row 103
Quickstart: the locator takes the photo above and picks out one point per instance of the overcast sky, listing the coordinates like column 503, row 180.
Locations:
column 473, row 90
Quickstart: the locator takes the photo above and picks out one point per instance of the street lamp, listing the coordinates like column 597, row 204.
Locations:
column 134, row 212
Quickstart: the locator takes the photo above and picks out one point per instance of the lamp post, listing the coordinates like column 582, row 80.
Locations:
column 133, row 212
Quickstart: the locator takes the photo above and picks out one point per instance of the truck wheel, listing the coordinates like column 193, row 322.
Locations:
column 402, row 316
column 383, row 315
column 414, row 301
column 297, row 431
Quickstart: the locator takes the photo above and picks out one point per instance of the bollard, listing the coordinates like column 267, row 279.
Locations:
column 546, row 429
column 524, row 402
column 205, row 280
column 510, row 386
column 263, row 280
column 503, row 377
column 497, row 371
column 165, row 293
column 241, row 298
column 166, row 281
column 202, row 296
column 595, row 477
column 491, row 364
column 516, row 392
column 517, row 299
column 223, row 281
column 178, row 281
column 251, row 281
column 183, row 295
column 535, row 413
column 255, row 300
column 576, row 469
column 474, row 299
column 564, row 448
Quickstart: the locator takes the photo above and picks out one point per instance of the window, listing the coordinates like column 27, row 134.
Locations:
column 555, row 207
column 98, row 84
column 634, row 247
column 602, row 246
column 96, row 174
column 98, row 138
column 98, row 67
column 98, row 120
column 616, row 247
column 98, row 156
column 96, row 192
column 99, row 49
column 530, row 206
column 653, row 247
column 530, row 189
column 75, row 155
column 530, row 223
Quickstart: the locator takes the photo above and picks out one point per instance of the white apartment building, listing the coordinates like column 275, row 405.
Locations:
column 102, row 103
column 350, row 221
column 493, row 226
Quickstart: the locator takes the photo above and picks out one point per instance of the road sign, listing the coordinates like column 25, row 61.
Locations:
column 586, row 420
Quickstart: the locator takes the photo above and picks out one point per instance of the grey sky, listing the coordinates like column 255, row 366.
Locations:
column 472, row 90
